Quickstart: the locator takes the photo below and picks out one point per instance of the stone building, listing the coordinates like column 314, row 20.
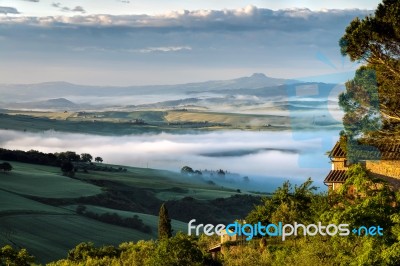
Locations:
column 382, row 161
column 230, row 239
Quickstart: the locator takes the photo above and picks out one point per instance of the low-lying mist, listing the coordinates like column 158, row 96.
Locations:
column 258, row 155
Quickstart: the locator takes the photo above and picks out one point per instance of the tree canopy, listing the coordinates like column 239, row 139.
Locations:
column 372, row 99
column 6, row 167
column 164, row 223
column 187, row 170
column 86, row 157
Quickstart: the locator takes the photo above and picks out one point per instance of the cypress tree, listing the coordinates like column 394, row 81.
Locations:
column 164, row 223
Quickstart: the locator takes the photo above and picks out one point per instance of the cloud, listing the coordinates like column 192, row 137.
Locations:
column 8, row 10
column 34, row 1
column 241, row 19
column 78, row 9
column 164, row 49
column 124, row 1
column 203, row 44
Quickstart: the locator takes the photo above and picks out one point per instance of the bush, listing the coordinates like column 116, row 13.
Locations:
column 68, row 169
column 6, row 167
column 12, row 257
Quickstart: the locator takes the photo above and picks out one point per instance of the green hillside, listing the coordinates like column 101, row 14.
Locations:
column 148, row 219
column 38, row 206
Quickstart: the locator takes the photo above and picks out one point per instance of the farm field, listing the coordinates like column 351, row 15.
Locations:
column 49, row 237
column 138, row 122
column 38, row 206
column 148, row 219
column 44, row 181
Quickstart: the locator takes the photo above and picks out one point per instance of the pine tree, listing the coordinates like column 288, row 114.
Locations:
column 164, row 223
column 371, row 101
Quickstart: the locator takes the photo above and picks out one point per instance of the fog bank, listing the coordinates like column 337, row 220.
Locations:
column 259, row 155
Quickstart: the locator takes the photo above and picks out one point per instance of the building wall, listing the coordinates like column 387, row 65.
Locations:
column 339, row 164
column 386, row 168
column 336, row 186
column 389, row 170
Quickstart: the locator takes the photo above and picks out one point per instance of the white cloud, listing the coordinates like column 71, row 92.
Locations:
column 164, row 49
column 249, row 16
column 78, row 9
column 8, row 10
column 203, row 44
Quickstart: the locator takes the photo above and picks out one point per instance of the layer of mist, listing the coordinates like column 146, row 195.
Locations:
column 258, row 155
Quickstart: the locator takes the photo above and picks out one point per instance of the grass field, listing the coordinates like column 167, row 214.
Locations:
column 148, row 219
column 12, row 203
column 159, row 182
column 44, row 181
column 49, row 237
column 36, row 211
column 123, row 123
column 233, row 119
column 197, row 193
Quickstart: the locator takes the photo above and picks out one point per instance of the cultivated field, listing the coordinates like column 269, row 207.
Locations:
column 38, row 205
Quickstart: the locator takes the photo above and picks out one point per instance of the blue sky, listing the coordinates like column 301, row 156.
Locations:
column 120, row 42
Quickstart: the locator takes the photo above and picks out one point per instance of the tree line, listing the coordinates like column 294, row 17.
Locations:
column 50, row 159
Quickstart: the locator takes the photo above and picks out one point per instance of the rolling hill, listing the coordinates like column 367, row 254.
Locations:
column 38, row 209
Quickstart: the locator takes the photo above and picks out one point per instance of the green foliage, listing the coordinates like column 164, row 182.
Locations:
column 180, row 250
column 286, row 204
column 12, row 257
column 68, row 169
column 164, row 223
column 374, row 41
column 373, row 203
column 137, row 254
column 360, row 103
column 86, row 157
column 187, row 170
column 133, row 222
column 6, row 167
column 70, row 156
column 83, row 251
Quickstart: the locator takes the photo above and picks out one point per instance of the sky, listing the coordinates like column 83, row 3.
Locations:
column 124, row 42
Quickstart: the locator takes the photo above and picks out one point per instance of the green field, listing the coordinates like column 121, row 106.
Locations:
column 49, row 237
column 148, row 219
column 159, row 182
column 38, row 204
column 12, row 203
column 44, row 181
column 138, row 122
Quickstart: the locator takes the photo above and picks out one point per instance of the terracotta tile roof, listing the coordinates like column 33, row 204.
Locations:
column 382, row 151
column 389, row 151
column 337, row 151
column 336, row 176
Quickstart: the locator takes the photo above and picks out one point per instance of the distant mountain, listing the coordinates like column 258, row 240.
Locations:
column 59, row 103
column 282, row 90
column 49, row 90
